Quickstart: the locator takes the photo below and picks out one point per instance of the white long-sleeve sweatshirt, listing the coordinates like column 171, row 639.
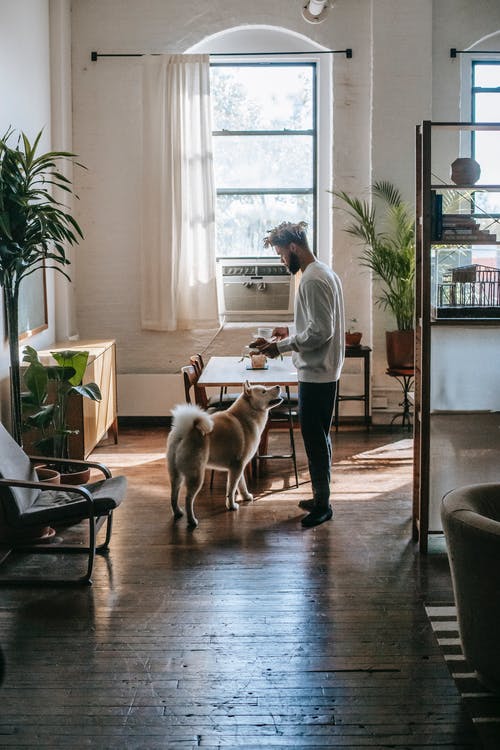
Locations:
column 318, row 344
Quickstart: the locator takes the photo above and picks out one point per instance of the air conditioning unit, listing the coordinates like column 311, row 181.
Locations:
column 260, row 289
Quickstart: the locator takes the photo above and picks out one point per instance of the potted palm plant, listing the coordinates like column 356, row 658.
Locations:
column 35, row 229
column 389, row 252
column 45, row 401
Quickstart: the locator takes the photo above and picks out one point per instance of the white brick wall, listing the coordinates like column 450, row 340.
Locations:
column 399, row 71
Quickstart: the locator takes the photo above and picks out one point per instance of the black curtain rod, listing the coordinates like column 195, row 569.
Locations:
column 347, row 52
column 454, row 52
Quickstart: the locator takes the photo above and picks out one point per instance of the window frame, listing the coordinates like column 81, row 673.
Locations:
column 474, row 91
column 313, row 132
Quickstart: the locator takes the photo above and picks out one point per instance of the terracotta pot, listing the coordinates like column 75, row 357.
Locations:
column 48, row 475
column 353, row 338
column 37, row 534
column 76, row 477
column 400, row 349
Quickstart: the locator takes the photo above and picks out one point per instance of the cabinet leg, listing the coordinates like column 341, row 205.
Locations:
column 113, row 428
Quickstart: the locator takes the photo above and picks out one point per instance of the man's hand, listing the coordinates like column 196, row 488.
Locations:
column 269, row 348
column 280, row 333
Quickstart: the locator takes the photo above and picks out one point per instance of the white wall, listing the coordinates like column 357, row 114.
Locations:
column 107, row 133
column 24, row 105
column 400, row 74
column 400, row 71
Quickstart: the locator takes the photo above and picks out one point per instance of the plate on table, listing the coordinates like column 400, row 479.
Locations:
column 264, row 367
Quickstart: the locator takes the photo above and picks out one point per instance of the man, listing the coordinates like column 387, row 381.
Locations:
column 317, row 347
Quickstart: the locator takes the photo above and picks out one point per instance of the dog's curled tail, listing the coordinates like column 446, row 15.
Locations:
column 187, row 417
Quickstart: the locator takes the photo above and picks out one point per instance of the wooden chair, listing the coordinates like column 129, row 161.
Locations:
column 193, row 393
column 211, row 403
column 224, row 399
column 197, row 361
column 282, row 417
column 29, row 508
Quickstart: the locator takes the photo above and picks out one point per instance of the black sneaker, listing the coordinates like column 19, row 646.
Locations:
column 308, row 505
column 317, row 517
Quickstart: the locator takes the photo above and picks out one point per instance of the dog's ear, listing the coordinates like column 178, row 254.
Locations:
column 246, row 388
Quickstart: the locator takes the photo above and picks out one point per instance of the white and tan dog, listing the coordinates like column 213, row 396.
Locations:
column 225, row 440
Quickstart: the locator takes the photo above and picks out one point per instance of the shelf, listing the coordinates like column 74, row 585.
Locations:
column 457, row 266
column 473, row 322
column 474, row 188
column 437, row 244
column 465, row 125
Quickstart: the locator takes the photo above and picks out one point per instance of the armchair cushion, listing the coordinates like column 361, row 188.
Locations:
column 58, row 505
column 14, row 463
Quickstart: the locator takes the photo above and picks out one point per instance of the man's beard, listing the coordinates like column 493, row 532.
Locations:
column 293, row 263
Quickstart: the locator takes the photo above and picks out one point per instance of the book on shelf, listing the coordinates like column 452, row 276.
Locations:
column 457, row 227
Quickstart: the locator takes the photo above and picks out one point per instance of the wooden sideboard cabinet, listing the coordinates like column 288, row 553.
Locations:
column 92, row 419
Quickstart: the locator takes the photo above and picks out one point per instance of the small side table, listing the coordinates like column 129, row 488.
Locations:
column 405, row 377
column 364, row 353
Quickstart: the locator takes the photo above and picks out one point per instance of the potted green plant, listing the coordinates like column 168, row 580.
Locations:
column 35, row 229
column 389, row 251
column 45, row 401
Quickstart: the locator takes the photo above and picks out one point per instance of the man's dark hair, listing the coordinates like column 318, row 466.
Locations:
column 286, row 233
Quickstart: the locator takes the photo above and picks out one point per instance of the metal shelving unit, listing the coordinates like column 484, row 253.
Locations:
column 457, row 336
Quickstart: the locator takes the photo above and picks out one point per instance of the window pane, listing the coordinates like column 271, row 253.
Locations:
column 487, row 76
column 243, row 221
column 487, row 153
column 487, row 107
column 278, row 161
column 262, row 97
column 487, row 203
column 487, row 144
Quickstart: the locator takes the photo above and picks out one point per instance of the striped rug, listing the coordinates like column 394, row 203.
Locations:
column 483, row 706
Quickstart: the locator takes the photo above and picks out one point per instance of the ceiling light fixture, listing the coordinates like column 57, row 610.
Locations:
column 314, row 11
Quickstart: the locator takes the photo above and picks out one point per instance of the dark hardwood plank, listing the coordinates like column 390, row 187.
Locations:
column 248, row 632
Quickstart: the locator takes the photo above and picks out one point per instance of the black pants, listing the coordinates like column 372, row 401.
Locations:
column 316, row 408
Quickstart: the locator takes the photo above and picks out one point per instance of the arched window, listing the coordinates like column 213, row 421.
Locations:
column 272, row 137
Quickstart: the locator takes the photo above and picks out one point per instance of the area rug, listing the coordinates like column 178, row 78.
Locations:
column 482, row 705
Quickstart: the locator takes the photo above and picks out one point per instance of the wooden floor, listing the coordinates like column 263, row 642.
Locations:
column 249, row 632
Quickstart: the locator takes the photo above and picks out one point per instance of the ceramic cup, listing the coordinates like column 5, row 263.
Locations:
column 265, row 333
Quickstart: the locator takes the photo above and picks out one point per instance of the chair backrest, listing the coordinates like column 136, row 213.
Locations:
column 15, row 464
column 193, row 392
column 197, row 362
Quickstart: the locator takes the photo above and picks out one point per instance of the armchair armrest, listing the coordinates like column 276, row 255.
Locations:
column 77, row 489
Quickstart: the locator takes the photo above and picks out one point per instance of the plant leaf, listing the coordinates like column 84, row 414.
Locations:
column 89, row 390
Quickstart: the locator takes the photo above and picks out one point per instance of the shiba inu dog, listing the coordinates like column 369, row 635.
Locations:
column 226, row 440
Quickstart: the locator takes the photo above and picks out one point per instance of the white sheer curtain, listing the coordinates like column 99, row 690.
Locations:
column 178, row 287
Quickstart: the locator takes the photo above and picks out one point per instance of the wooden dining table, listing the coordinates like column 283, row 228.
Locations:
column 223, row 372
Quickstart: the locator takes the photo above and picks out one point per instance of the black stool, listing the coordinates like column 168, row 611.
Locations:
column 404, row 376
